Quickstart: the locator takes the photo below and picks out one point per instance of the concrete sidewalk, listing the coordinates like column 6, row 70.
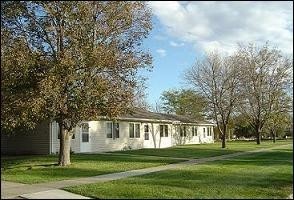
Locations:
column 12, row 190
column 53, row 194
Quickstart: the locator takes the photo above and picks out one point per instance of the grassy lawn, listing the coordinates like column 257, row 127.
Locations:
column 37, row 169
column 259, row 175
column 205, row 150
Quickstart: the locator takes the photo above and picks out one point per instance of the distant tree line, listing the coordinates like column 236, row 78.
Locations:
column 247, row 94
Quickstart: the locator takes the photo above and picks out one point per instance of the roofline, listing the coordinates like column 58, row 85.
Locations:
column 157, row 120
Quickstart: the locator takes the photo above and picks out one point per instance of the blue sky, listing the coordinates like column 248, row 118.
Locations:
column 184, row 31
column 168, row 64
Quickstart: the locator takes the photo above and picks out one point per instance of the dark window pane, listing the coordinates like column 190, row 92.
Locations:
column 73, row 136
column 204, row 135
column 166, row 131
column 131, row 130
column 109, row 129
column 161, row 130
column 116, row 130
column 137, row 130
column 146, row 136
column 146, row 128
column 146, row 132
column 85, row 132
column 85, row 137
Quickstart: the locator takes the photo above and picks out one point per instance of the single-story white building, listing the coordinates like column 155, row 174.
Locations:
column 139, row 129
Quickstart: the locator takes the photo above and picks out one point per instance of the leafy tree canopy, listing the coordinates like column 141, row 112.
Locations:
column 183, row 102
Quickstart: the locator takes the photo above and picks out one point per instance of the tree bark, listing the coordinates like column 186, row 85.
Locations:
column 224, row 137
column 64, row 150
column 258, row 136
column 274, row 137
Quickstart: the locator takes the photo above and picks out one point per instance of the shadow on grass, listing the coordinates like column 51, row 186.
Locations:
column 180, row 152
column 250, row 176
column 42, row 169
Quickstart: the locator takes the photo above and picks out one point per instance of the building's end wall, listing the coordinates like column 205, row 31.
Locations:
column 33, row 142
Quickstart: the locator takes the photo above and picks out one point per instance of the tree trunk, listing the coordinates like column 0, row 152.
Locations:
column 224, row 137
column 223, row 141
column 64, row 150
column 274, row 137
column 258, row 137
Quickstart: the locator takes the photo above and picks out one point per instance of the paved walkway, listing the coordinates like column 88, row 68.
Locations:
column 12, row 190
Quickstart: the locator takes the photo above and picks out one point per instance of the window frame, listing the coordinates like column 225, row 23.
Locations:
column 133, row 128
column 146, row 133
column 209, row 133
column 163, row 130
column 107, row 129
column 194, row 131
column 115, row 130
column 134, row 125
column 83, row 132
column 183, row 131
column 204, row 134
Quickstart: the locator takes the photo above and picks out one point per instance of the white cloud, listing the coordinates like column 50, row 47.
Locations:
column 161, row 52
column 174, row 44
column 208, row 25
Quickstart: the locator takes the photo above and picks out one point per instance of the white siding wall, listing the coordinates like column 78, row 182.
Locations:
column 154, row 134
column 98, row 142
column 203, row 136
column 101, row 143
column 190, row 139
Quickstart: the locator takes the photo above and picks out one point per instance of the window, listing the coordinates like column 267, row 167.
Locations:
column 146, row 132
column 183, row 132
column 73, row 136
column 116, row 130
column 204, row 132
column 166, row 130
column 163, row 129
column 137, row 130
column 131, row 130
column 194, row 131
column 109, row 129
column 209, row 131
column 112, row 130
column 134, row 130
column 85, row 132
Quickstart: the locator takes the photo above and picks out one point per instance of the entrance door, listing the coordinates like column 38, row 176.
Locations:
column 85, row 138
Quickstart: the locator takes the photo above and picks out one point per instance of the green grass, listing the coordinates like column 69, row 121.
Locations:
column 258, row 175
column 37, row 169
column 205, row 150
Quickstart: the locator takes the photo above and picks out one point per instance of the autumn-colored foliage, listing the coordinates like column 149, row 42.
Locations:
column 70, row 61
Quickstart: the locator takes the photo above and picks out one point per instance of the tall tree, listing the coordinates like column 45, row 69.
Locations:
column 216, row 78
column 265, row 78
column 140, row 97
column 70, row 61
column 279, row 119
column 183, row 102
